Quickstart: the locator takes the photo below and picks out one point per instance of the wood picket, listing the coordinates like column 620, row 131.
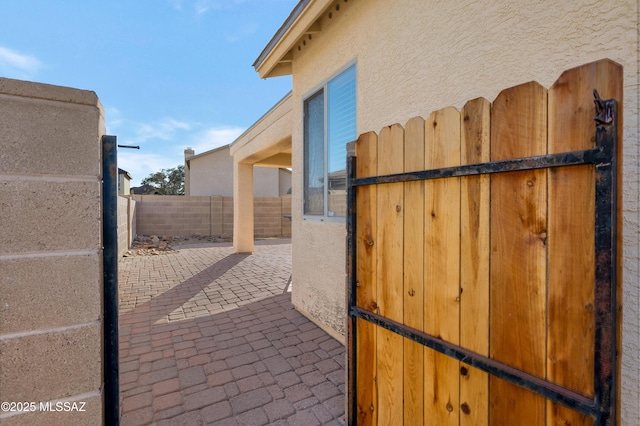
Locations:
column 414, row 272
column 474, row 260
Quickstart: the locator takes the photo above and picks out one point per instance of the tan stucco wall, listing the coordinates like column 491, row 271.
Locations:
column 269, row 136
column 414, row 57
column 266, row 143
column 212, row 174
column 50, row 250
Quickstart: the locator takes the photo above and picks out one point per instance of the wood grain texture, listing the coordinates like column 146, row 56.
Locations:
column 413, row 272
column 366, row 165
column 474, row 260
column 570, row 349
column 390, row 236
column 442, row 266
column 570, row 345
column 502, row 265
column 518, row 252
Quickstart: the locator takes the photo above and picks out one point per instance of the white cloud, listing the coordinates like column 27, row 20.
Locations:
column 162, row 142
column 203, row 6
column 246, row 30
column 113, row 119
column 214, row 137
column 166, row 153
column 164, row 129
column 140, row 164
column 14, row 64
column 177, row 4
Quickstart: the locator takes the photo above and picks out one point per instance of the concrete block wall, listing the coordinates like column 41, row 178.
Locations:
column 227, row 216
column 338, row 203
column 132, row 225
column 173, row 215
column 210, row 216
column 269, row 220
column 50, row 251
column 123, row 225
column 286, row 221
column 217, row 209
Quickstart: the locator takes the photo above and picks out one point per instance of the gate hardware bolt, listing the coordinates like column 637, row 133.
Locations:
column 604, row 114
column 464, row 371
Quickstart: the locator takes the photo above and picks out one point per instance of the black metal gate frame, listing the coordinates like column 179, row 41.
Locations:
column 603, row 405
column 110, row 280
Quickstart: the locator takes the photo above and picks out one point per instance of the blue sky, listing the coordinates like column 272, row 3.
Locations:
column 170, row 74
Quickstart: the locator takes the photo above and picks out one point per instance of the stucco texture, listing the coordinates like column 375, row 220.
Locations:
column 211, row 173
column 416, row 57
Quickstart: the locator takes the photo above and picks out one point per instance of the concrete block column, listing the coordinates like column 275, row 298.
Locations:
column 242, row 207
column 50, row 252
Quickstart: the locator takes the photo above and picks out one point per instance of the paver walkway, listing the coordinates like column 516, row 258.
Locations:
column 210, row 337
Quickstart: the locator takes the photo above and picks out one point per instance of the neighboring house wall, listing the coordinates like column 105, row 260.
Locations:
column 211, row 173
column 268, row 181
column 124, row 182
column 285, row 182
column 50, row 251
column 208, row 216
column 126, row 223
column 125, row 187
column 416, row 57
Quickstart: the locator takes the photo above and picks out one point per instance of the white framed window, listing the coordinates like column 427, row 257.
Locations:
column 329, row 124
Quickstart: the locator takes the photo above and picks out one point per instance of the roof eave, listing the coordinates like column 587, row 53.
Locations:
column 208, row 152
column 275, row 58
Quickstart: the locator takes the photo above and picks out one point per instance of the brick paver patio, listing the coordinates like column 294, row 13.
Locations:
column 210, row 337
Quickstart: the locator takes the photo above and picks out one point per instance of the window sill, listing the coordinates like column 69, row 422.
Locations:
column 328, row 219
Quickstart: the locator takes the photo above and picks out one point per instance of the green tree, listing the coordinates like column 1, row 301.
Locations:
column 167, row 181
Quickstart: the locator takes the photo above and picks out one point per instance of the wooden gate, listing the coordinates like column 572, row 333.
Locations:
column 482, row 260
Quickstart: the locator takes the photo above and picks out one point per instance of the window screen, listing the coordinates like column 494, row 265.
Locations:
column 329, row 124
column 314, row 154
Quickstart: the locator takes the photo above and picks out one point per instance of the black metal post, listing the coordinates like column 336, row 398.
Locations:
column 110, row 289
column 605, row 262
column 351, row 292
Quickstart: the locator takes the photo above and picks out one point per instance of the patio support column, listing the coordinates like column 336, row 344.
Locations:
column 242, row 207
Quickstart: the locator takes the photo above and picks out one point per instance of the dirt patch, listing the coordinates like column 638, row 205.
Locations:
column 154, row 245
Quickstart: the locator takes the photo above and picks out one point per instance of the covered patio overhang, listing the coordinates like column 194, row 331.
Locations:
column 268, row 144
